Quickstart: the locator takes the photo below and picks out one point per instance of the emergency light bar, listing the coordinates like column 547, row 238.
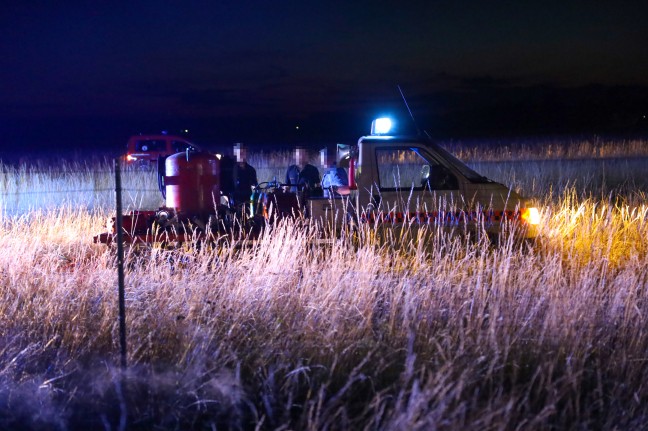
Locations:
column 381, row 126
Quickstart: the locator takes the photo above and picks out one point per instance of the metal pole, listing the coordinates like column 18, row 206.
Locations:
column 120, row 264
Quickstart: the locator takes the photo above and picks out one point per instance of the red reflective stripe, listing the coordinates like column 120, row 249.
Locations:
column 443, row 217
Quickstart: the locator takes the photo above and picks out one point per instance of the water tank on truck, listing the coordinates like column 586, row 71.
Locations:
column 192, row 183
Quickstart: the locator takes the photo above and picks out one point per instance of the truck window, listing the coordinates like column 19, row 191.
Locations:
column 148, row 145
column 405, row 168
column 399, row 168
column 437, row 176
column 180, row 146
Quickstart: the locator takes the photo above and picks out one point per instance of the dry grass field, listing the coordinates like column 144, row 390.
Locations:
column 443, row 335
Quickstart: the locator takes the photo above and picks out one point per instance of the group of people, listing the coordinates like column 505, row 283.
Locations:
column 304, row 176
column 238, row 178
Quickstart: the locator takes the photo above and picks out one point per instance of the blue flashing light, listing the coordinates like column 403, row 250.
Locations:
column 381, row 126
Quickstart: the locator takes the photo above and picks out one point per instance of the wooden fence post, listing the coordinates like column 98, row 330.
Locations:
column 120, row 264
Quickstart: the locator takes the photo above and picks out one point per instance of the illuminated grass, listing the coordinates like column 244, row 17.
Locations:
column 451, row 334
column 284, row 333
column 26, row 188
column 547, row 149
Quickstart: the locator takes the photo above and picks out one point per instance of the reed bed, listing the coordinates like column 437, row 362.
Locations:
column 426, row 330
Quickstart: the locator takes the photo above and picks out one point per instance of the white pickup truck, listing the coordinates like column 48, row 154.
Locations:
column 399, row 180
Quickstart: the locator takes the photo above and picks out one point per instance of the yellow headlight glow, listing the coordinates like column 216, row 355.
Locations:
column 531, row 215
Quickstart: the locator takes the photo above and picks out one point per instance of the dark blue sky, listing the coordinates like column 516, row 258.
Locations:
column 78, row 72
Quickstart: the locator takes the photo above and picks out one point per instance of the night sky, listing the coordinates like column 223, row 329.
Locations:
column 80, row 74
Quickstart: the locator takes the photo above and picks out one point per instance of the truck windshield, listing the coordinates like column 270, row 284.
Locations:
column 150, row 145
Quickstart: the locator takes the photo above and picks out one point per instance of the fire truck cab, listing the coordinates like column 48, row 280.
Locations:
column 147, row 149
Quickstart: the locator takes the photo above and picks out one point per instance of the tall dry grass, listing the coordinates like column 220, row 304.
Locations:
column 547, row 149
column 77, row 183
column 599, row 178
column 364, row 334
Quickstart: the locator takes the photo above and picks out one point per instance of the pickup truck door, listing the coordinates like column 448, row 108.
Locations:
column 409, row 181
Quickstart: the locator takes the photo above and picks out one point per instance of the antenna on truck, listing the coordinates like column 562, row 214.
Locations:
column 418, row 131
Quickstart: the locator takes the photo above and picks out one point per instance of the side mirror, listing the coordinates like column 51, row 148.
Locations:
column 425, row 173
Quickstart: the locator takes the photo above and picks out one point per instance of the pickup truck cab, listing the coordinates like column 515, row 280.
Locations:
column 146, row 149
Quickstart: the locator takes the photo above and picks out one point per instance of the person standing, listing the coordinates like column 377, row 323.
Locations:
column 227, row 163
column 301, row 175
column 335, row 180
column 244, row 178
